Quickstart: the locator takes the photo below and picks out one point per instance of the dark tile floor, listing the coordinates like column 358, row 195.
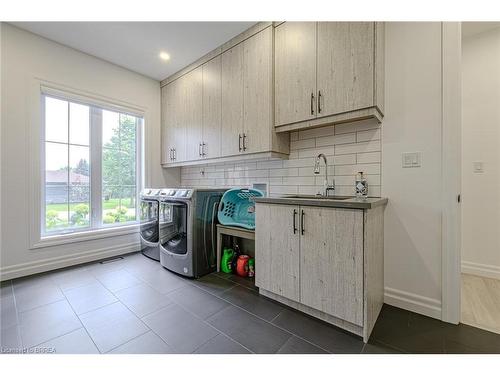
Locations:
column 133, row 305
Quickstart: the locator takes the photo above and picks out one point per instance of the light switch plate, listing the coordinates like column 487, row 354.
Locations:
column 412, row 159
column 478, row 167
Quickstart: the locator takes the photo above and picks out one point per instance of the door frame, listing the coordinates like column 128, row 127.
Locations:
column 451, row 243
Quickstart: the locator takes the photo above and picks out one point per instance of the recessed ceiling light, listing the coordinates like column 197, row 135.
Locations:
column 164, row 56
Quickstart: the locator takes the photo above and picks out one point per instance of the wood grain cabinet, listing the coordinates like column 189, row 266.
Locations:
column 258, row 94
column 191, row 109
column 232, row 101
column 327, row 262
column 247, row 98
column 191, row 115
column 295, row 72
column 277, row 246
column 331, row 261
column 328, row 72
column 173, row 117
column 210, row 146
column 223, row 107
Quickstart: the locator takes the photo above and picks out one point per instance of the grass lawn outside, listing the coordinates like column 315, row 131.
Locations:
column 110, row 204
column 109, row 212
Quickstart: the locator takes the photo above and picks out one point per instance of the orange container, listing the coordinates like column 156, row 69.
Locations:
column 242, row 265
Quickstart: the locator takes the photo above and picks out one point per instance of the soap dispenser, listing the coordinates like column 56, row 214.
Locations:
column 361, row 186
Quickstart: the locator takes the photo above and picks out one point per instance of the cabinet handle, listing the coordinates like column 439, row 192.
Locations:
column 312, row 103
column 319, row 101
column 244, row 142
column 203, row 153
column 294, row 222
column 239, row 142
column 302, row 230
column 199, row 149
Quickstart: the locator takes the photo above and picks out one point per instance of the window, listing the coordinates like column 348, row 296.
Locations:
column 91, row 166
column 119, row 178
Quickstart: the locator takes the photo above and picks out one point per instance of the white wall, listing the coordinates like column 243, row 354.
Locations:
column 349, row 148
column 24, row 58
column 481, row 143
column 413, row 123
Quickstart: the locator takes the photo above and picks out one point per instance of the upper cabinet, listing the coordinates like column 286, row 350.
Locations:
column 258, row 132
column 345, row 66
column 328, row 72
column 191, row 110
column 247, row 98
column 241, row 99
column 225, row 106
column 232, row 101
column 295, row 69
column 173, row 130
column 211, row 119
column 191, row 115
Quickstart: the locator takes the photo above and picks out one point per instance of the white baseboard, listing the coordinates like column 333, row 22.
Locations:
column 31, row 268
column 413, row 302
column 478, row 269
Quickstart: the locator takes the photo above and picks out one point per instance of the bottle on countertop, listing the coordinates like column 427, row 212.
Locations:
column 361, row 186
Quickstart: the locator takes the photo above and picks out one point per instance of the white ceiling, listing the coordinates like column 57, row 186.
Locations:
column 473, row 28
column 136, row 45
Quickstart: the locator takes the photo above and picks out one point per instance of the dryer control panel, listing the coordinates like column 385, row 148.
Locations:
column 176, row 193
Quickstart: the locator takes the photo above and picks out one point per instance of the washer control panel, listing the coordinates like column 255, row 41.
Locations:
column 176, row 193
column 150, row 192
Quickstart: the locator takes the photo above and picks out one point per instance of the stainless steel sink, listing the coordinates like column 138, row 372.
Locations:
column 309, row 197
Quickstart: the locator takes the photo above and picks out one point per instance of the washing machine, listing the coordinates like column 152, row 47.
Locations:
column 188, row 219
column 149, row 223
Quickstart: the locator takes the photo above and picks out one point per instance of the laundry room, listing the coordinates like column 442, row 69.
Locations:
column 194, row 186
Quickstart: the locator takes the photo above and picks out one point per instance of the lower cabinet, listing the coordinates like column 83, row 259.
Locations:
column 277, row 250
column 331, row 261
column 313, row 257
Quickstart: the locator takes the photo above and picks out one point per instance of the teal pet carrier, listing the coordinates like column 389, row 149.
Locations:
column 237, row 208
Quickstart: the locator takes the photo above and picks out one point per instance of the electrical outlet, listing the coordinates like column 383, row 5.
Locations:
column 412, row 159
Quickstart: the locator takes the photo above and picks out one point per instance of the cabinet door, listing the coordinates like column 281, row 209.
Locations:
column 212, row 108
column 257, row 78
column 277, row 250
column 165, row 127
column 171, row 118
column 192, row 113
column 178, row 109
column 345, row 66
column 295, row 72
column 232, row 100
column 331, row 261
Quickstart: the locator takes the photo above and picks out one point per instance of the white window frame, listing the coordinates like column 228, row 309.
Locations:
column 39, row 239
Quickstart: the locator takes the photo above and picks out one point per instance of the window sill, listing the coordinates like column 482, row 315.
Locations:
column 62, row 239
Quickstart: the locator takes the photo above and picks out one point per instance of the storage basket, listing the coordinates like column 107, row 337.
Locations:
column 237, row 208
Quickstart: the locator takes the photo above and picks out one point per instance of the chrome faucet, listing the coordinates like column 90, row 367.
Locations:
column 326, row 184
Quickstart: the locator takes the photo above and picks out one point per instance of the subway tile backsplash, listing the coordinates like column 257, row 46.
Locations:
column 349, row 148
